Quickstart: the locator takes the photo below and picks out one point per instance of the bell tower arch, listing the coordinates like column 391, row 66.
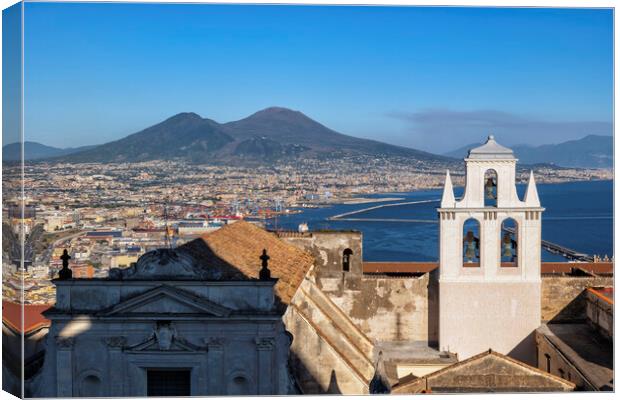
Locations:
column 489, row 277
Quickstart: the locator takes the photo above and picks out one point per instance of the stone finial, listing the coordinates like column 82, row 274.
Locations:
column 447, row 199
column 531, row 193
column 65, row 272
column 264, row 273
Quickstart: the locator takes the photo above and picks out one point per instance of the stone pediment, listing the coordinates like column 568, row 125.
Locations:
column 166, row 299
column 485, row 372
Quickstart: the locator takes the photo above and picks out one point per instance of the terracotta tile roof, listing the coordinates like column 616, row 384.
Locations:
column 428, row 266
column 240, row 245
column 33, row 318
column 398, row 267
column 565, row 267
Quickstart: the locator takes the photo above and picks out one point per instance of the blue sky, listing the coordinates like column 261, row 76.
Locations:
column 429, row 78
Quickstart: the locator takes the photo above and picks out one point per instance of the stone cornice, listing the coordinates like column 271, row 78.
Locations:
column 488, row 209
column 491, row 160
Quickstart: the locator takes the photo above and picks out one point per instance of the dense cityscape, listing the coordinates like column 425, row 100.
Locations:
column 108, row 215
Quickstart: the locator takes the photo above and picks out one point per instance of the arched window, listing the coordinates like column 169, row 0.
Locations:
column 471, row 243
column 91, row 386
column 346, row 259
column 238, row 386
column 509, row 240
column 490, row 188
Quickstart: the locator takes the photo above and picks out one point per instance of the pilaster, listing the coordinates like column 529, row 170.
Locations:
column 216, row 381
column 265, row 347
column 116, row 372
column 64, row 366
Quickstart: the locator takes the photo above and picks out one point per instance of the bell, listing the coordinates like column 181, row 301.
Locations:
column 470, row 246
column 507, row 246
column 489, row 188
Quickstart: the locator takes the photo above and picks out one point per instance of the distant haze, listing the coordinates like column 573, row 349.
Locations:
column 442, row 130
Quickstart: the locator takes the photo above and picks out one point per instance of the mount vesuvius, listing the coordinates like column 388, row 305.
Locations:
column 264, row 137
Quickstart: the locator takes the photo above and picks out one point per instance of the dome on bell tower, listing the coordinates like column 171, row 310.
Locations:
column 491, row 150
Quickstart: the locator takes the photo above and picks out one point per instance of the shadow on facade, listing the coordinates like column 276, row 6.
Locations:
column 11, row 362
column 304, row 378
column 433, row 309
column 525, row 350
column 573, row 312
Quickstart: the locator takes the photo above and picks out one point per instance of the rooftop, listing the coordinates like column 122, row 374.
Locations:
column 240, row 245
column 413, row 267
column 589, row 352
column 33, row 319
column 486, row 372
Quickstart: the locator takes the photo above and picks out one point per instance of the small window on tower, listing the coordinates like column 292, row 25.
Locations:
column 346, row 259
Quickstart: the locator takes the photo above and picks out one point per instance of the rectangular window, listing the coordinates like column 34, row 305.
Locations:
column 168, row 382
column 548, row 357
column 561, row 372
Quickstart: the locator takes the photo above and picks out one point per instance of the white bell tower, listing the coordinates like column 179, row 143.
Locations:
column 489, row 259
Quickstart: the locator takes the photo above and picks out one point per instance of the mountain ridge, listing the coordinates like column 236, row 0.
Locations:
column 591, row 151
column 36, row 151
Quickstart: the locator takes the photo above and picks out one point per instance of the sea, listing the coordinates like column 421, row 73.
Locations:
column 578, row 215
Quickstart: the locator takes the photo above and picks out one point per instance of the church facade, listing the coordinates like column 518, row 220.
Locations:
column 164, row 328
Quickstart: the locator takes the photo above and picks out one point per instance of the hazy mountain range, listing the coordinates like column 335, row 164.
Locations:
column 36, row 151
column 281, row 134
column 592, row 151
